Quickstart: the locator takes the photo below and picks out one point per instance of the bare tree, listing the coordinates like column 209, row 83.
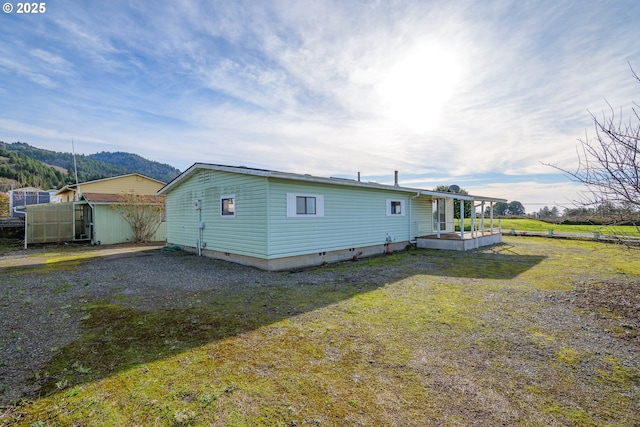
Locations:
column 143, row 213
column 609, row 163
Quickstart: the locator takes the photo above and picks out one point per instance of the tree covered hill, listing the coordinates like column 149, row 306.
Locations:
column 23, row 165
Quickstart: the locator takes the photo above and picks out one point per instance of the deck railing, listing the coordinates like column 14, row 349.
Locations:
column 476, row 227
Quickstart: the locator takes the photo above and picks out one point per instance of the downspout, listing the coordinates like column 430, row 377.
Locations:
column 25, row 227
column 410, row 208
column 25, row 223
column 199, row 240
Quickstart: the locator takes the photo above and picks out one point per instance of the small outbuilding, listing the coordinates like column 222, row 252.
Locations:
column 87, row 212
column 113, row 185
column 278, row 221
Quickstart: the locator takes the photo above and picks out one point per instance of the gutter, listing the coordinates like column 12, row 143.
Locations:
column 15, row 209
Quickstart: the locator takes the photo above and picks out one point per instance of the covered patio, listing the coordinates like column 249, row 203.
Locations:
column 482, row 228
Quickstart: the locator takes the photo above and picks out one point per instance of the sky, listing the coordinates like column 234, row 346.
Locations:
column 481, row 94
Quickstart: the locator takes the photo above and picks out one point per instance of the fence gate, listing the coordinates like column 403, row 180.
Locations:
column 50, row 223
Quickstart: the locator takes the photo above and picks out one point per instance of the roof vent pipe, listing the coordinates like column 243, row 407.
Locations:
column 395, row 180
column 358, row 176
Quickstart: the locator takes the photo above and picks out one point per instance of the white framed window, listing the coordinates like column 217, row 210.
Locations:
column 305, row 205
column 228, row 206
column 395, row 207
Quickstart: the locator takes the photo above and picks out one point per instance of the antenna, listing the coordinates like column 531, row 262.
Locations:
column 75, row 168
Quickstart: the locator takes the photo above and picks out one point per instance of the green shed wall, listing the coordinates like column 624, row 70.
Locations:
column 111, row 228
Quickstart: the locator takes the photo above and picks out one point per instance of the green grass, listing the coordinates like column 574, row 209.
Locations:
column 541, row 226
column 441, row 338
column 9, row 245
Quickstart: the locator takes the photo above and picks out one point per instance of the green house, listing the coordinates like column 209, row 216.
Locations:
column 278, row 221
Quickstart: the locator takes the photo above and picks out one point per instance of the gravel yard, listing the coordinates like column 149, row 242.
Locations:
column 41, row 300
column 524, row 313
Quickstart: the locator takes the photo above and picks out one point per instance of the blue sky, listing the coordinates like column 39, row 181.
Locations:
column 473, row 93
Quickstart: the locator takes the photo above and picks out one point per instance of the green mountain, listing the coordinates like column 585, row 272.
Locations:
column 23, row 165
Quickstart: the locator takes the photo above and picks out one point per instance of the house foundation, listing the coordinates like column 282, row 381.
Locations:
column 301, row 261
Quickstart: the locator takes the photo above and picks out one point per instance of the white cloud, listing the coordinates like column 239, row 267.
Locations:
column 429, row 88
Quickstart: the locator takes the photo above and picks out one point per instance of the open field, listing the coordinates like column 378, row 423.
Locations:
column 526, row 224
column 534, row 332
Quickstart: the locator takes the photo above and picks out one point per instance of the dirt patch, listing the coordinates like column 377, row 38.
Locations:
column 616, row 304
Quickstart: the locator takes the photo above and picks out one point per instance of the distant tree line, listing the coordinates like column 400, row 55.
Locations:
column 24, row 166
column 29, row 172
column 514, row 208
column 456, row 202
column 603, row 213
column 133, row 162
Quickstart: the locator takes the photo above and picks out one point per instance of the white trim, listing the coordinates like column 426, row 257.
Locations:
column 292, row 211
column 402, row 207
column 228, row 196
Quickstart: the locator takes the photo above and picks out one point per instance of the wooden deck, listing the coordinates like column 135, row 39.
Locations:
column 453, row 241
column 456, row 235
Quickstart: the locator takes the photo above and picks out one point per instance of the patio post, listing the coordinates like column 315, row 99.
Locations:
column 491, row 217
column 438, row 207
column 482, row 219
column 462, row 219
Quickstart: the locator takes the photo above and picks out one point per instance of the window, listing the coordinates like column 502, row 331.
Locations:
column 395, row 207
column 305, row 205
column 228, row 206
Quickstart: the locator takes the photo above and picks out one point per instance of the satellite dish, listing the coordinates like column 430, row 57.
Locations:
column 454, row 188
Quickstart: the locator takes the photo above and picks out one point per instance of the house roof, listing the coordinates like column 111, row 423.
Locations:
column 72, row 187
column 115, row 198
column 310, row 178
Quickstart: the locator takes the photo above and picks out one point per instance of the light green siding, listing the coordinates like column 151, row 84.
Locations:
column 263, row 227
column 353, row 217
column 421, row 216
column 244, row 234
